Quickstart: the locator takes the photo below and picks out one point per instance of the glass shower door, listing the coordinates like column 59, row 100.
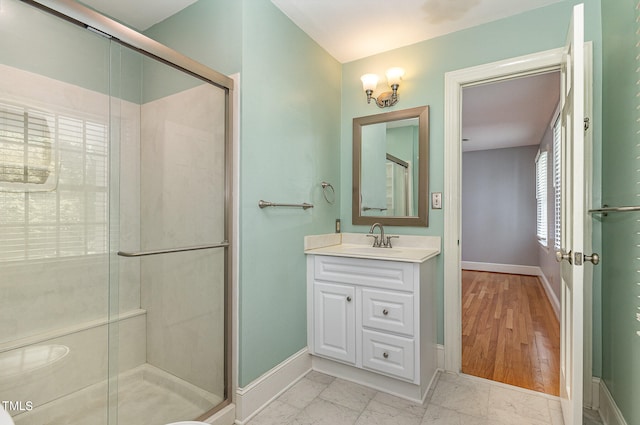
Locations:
column 54, row 127
column 170, row 211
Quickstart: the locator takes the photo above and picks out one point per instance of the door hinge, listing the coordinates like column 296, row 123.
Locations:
column 577, row 259
column 587, row 123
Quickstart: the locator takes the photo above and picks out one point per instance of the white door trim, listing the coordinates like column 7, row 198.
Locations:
column 454, row 82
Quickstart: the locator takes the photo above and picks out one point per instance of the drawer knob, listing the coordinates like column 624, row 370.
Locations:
column 385, row 311
column 348, row 299
column 385, row 355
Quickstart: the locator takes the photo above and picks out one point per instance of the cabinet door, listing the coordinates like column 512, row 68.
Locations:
column 334, row 319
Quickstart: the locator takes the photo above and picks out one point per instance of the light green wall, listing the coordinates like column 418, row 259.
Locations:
column 209, row 31
column 33, row 41
column 620, row 255
column 290, row 144
column 427, row 62
column 38, row 42
column 290, row 140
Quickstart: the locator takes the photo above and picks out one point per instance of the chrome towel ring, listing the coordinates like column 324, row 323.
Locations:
column 329, row 196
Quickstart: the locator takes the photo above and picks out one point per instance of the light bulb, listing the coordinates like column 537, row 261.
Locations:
column 394, row 75
column 369, row 81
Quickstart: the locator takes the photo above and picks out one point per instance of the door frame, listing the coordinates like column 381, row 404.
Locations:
column 455, row 81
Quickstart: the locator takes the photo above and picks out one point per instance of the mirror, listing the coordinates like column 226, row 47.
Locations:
column 390, row 168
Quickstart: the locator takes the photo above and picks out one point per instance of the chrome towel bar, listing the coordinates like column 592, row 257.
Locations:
column 265, row 204
column 222, row 244
column 607, row 209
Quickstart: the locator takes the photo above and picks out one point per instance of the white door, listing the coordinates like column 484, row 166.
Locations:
column 573, row 214
column 334, row 320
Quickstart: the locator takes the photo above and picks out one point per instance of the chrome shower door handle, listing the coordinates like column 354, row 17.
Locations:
column 563, row 255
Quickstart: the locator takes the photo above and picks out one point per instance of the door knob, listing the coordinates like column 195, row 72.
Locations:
column 594, row 258
column 563, row 255
column 348, row 299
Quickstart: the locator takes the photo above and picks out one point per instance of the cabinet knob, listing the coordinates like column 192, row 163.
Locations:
column 385, row 355
column 385, row 311
column 348, row 299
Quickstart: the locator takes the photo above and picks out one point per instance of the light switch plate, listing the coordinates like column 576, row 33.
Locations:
column 436, row 200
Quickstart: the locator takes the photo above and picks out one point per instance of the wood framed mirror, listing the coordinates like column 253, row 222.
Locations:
column 391, row 168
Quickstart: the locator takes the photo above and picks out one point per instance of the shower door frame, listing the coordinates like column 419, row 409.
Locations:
column 91, row 20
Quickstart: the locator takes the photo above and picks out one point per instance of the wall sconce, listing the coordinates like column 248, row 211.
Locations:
column 386, row 99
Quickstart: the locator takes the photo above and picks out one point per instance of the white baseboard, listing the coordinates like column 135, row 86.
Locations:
column 595, row 394
column 258, row 394
column 440, row 356
column 551, row 296
column 501, row 268
column 517, row 269
column 609, row 411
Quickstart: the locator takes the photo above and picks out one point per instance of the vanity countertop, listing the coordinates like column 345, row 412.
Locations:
column 406, row 248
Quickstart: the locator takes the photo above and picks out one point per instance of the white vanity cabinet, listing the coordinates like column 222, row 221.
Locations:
column 373, row 321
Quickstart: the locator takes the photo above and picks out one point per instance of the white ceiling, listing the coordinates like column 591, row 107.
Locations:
column 509, row 113
column 353, row 29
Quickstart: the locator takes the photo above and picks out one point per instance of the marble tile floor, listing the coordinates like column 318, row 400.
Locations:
column 319, row 399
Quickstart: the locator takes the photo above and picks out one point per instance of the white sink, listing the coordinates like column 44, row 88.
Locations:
column 410, row 248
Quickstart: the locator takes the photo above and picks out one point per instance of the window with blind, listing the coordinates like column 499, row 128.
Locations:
column 541, row 197
column 27, row 150
column 557, row 188
column 53, row 184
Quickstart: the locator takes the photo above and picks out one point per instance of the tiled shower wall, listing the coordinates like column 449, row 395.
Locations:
column 183, row 200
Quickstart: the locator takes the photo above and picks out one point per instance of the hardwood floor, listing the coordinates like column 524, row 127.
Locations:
column 510, row 333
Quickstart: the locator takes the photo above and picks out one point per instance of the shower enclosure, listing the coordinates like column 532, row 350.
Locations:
column 114, row 224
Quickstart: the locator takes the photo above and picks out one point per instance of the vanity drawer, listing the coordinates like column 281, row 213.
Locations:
column 388, row 354
column 388, row 311
column 359, row 271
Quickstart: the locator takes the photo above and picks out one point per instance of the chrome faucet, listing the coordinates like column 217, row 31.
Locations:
column 377, row 242
column 382, row 242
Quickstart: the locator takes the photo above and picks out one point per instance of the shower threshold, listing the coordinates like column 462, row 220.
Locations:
column 147, row 395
